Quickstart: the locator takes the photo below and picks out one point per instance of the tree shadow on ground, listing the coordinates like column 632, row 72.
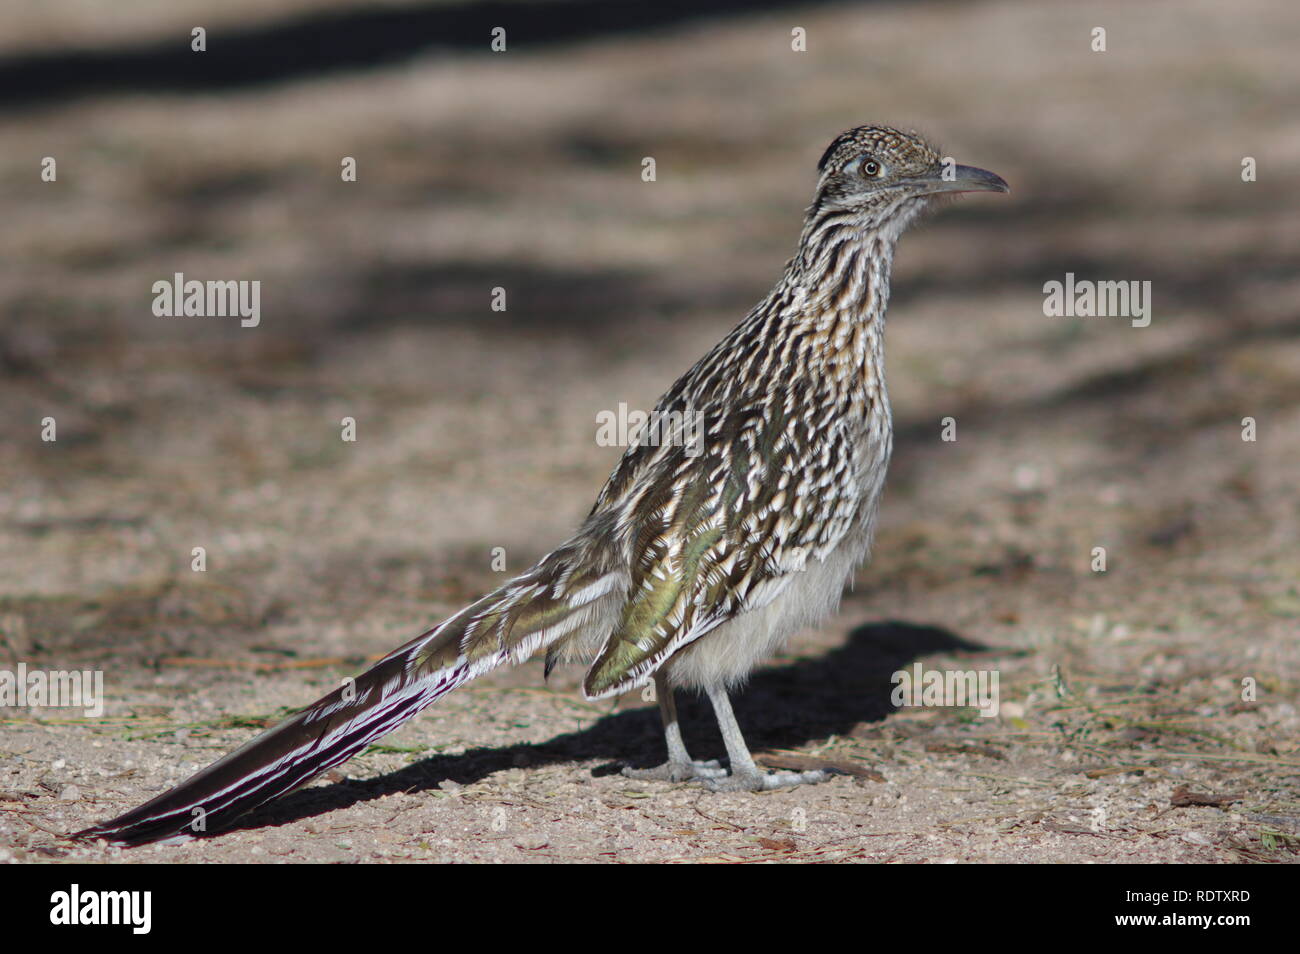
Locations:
column 559, row 301
column 328, row 41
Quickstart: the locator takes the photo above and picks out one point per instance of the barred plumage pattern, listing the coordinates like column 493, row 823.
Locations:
column 701, row 555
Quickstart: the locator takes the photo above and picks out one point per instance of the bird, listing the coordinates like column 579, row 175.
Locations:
column 733, row 520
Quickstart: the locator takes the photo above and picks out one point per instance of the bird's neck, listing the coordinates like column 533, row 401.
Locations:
column 842, row 267
column 838, row 284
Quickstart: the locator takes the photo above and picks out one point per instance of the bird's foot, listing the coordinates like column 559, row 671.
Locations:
column 759, row 781
column 678, row 771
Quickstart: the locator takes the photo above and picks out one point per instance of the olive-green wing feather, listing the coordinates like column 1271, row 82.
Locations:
column 722, row 533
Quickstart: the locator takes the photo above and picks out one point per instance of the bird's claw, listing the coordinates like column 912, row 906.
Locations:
column 757, row 781
column 678, row 771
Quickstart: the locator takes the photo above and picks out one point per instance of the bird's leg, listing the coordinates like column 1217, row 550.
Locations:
column 745, row 776
column 679, row 766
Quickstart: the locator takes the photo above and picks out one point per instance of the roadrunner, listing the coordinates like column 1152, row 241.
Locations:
column 703, row 553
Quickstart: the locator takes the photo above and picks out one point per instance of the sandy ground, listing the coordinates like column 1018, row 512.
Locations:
column 1123, row 733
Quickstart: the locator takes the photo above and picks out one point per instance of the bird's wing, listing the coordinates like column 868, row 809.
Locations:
column 720, row 527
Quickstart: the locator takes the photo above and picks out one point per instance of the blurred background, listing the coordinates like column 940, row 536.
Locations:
column 522, row 170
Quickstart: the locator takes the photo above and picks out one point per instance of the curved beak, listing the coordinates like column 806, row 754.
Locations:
column 962, row 179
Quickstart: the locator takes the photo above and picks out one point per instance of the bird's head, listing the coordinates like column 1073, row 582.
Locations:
column 884, row 176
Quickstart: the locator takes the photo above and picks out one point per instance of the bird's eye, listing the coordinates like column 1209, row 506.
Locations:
column 870, row 168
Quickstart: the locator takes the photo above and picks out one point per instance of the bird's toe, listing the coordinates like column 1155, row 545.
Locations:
column 678, row 771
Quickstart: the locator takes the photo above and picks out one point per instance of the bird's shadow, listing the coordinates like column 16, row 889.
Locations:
column 782, row 707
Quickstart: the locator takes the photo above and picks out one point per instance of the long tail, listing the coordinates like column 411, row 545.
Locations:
column 568, row 594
